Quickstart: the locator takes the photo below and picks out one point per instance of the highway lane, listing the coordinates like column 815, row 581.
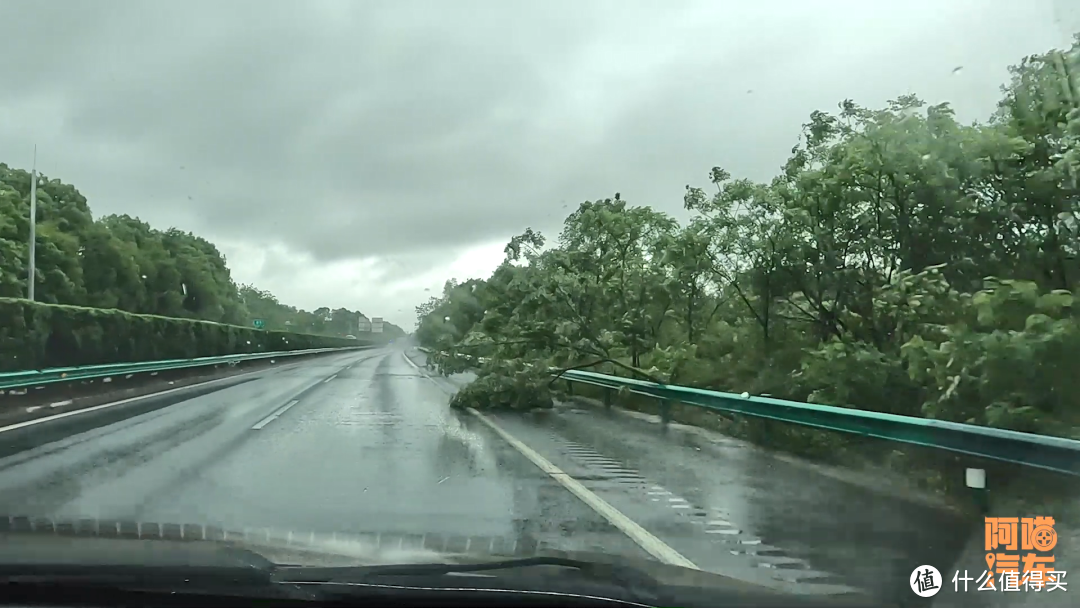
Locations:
column 731, row 507
column 735, row 508
column 352, row 443
column 362, row 442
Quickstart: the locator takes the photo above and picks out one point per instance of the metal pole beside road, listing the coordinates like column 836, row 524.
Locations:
column 33, row 229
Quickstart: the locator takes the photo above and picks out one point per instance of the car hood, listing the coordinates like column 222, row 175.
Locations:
column 100, row 542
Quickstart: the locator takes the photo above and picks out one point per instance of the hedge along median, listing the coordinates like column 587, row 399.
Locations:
column 40, row 336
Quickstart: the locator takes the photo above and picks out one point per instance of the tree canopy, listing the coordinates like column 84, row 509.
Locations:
column 121, row 262
column 900, row 261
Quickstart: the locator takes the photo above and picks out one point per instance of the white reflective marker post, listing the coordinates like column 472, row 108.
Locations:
column 975, row 479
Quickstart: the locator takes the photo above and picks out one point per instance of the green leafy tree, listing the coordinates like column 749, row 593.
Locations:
column 901, row 261
column 120, row 262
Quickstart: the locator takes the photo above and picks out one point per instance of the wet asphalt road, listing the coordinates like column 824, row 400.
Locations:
column 363, row 442
column 734, row 508
column 366, row 446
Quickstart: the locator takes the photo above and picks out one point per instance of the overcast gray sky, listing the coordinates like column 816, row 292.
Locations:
column 359, row 153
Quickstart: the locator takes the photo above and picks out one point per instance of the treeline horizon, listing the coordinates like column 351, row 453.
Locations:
column 121, row 262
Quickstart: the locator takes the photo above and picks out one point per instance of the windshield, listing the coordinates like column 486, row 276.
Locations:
column 781, row 291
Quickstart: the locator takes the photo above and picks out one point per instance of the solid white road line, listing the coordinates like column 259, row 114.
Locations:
column 330, row 378
column 26, row 423
column 43, row 419
column 410, row 361
column 644, row 539
column 656, row 547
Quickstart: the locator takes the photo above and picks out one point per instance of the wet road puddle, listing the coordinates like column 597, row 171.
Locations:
column 703, row 532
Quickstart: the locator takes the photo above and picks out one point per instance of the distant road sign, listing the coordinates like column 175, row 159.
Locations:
column 258, row 323
column 376, row 325
column 363, row 325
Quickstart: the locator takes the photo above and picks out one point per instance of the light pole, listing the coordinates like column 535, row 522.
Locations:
column 33, row 227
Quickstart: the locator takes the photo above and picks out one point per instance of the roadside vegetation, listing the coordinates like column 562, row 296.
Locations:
column 42, row 336
column 901, row 261
column 120, row 262
column 114, row 289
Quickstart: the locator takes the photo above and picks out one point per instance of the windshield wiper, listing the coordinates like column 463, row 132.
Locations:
column 630, row 579
column 441, row 568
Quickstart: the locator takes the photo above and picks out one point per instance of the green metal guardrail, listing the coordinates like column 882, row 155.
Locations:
column 32, row 378
column 1028, row 449
column 1050, row 453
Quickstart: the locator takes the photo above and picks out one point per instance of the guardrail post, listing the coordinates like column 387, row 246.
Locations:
column 570, row 387
column 607, row 398
column 665, row 412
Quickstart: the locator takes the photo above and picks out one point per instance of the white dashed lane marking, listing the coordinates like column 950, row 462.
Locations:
column 272, row 417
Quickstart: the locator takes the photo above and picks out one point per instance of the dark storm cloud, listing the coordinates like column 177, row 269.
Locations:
column 409, row 130
column 343, row 129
